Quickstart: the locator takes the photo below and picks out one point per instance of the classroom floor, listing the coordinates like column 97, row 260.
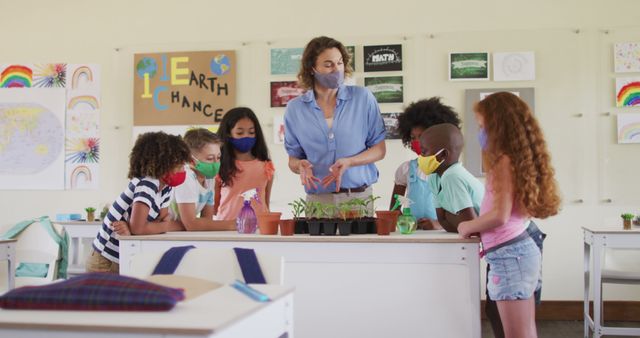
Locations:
column 559, row 329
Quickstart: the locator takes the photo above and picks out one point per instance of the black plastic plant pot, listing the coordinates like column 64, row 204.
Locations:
column 315, row 227
column 344, row 227
column 371, row 225
column 301, row 226
column 329, row 227
column 359, row 226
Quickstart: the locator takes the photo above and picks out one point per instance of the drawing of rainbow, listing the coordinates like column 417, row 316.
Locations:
column 16, row 76
column 629, row 95
column 87, row 99
column 630, row 132
column 75, row 175
column 81, row 71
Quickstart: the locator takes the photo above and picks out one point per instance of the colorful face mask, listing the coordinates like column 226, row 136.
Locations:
column 482, row 138
column 174, row 179
column 208, row 169
column 331, row 80
column 244, row 144
column 429, row 164
column 415, row 146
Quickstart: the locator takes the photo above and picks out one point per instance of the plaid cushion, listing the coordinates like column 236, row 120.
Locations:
column 94, row 291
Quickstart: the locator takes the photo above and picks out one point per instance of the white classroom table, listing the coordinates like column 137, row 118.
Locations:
column 422, row 285
column 8, row 253
column 596, row 240
column 221, row 313
column 79, row 231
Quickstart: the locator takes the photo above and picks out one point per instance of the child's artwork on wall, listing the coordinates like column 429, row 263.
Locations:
column 629, row 128
column 284, row 91
column 278, row 129
column 627, row 91
column 82, row 143
column 391, row 125
column 386, row 89
column 16, row 76
column 286, row 60
column 50, row 75
column 520, row 66
column 468, row 66
column 183, row 87
column 31, row 138
column 626, row 57
column 382, row 58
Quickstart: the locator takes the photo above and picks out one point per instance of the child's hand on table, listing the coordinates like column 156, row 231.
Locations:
column 121, row 228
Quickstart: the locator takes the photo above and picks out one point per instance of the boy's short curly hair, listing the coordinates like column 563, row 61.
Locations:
column 425, row 113
column 199, row 137
column 156, row 153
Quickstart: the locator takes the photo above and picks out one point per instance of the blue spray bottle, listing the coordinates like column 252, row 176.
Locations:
column 246, row 223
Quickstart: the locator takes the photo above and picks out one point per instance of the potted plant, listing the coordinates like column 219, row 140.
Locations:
column 268, row 222
column 360, row 224
column 298, row 207
column 626, row 220
column 91, row 213
column 313, row 211
column 344, row 225
column 329, row 223
column 370, row 221
column 104, row 212
column 287, row 227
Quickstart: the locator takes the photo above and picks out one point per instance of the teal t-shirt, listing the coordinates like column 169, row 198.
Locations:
column 457, row 189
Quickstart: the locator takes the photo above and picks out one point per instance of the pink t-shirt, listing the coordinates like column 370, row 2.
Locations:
column 250, row 175
column 502, row 233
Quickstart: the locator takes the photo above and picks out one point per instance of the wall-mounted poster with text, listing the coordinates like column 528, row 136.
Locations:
column 382, row 58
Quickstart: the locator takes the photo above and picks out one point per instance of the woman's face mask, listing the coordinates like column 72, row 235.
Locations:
column 331, row 80
column 429, row 164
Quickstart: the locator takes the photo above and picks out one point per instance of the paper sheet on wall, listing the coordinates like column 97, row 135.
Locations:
column 520, row 66
column 629, row 128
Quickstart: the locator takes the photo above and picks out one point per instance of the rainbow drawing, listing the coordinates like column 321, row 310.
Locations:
column 81, row 170
column 16, row 76
column 82, row 71
column 53, row 75
column 83, row 150
column 86, row 99
column 627, row 92
column 629, row 128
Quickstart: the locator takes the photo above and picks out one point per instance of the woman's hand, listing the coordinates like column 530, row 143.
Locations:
column 335, row 173
column 306, row 175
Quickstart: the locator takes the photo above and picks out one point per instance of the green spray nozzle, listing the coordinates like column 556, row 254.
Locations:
column 405, row 202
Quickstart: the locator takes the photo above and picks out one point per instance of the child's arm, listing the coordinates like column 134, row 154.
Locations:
column 400, row 182
column 204, row 223
column 139, row 225
column 399, row 190
column 450, row 222
column 502, row 202
column 267, row 193
column 217, row 194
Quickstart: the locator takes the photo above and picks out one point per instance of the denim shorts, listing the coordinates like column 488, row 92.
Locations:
column 516, row 271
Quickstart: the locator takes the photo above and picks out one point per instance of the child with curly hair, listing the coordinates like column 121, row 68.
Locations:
column 520, row 185
column 155, row 167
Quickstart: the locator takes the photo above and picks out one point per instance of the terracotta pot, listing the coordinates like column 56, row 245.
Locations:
column 287, row 226
column 391, row 215
column 383, row 226
column 268, row 222
column 626, row 223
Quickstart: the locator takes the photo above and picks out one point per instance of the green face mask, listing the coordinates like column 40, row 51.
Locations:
column 208, row 169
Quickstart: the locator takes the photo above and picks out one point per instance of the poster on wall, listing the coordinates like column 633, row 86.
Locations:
column 286, row 60
column 627, row 91
column 472, row 151
column 628, row 128
column 284, row 91
column 468, row 66
column 386, row 89
column 517, row 66
column 626, row 57
column 31, row 134
column 382, row 58
column 82, row 141
column 183, row 87
column 278, row 129
column 178, row 130
column 391, row 126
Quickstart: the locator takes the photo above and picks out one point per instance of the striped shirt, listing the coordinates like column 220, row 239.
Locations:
column 143, row 190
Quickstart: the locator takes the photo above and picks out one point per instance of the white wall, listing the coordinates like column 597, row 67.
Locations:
column 574, row 76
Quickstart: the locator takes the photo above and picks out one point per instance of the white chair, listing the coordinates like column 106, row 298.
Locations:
column 217, row 265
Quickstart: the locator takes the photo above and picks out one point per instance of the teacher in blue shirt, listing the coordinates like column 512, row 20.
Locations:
column 333, row 133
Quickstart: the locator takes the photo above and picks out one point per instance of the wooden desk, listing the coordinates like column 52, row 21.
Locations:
column 221, row 313
column 8, row 253
column 78, row 231
column 421, row 285
column 596, row 240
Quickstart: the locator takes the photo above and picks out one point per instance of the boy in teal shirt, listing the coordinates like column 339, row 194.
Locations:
column 457, row 194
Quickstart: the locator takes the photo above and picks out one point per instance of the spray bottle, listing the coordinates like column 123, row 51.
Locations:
column 247, row 221
column 406, row 222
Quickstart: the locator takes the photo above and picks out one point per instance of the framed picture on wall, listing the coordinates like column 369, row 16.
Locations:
column 391, row 126
column 284, row 91
column 469, row 66
column 386, row 89
column 285, row 60
column 383, row 58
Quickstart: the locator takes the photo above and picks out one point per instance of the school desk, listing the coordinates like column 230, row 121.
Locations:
column 78, row 232
column 8, row 253
column 221, row 313
column 422, row 285
column 596, row 240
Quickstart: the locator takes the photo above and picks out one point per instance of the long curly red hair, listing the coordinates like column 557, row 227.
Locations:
column 513, row 131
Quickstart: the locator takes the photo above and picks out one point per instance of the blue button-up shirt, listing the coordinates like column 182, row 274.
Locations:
column 357, row 126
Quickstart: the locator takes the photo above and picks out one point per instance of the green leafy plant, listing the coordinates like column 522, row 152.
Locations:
column 370, row 203
column 90, row 209
column 299, row 206
column 359, row 205
column 627, row 216
column 328, row 210
column 313, row 209
column 344, row 208
column 104, row 212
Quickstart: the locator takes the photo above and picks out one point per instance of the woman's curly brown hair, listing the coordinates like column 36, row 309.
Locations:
column 513, row 131
column 155, row 154
column 314, row 48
